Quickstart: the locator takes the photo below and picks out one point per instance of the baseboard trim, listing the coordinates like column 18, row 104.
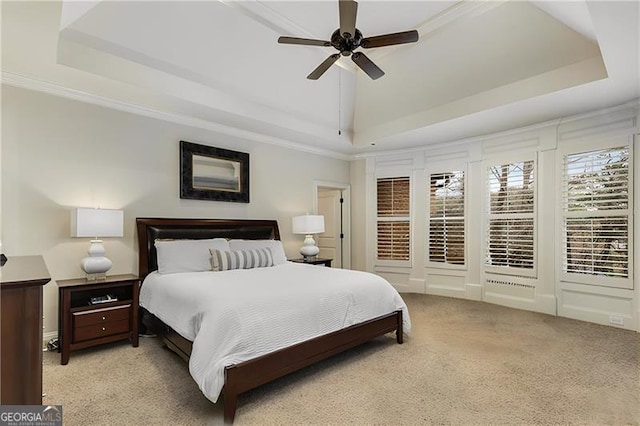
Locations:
column 596, row 317
column 543, row 304
column 473, row 291
column 441, row 290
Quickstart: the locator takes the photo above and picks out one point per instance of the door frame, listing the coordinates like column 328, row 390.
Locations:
column 346, row 215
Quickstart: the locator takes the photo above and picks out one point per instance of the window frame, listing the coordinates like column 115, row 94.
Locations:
column 487, row 216
column 427, row 176
column 409, row 218
column 584, row 146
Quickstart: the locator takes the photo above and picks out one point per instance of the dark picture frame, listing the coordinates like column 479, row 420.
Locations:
column 214, row 174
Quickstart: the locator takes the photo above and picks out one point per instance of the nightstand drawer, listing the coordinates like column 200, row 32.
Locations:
column 100, row 330
column 99, row 316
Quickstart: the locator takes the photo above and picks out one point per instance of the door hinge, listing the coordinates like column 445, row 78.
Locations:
column 341, row 200
column 341, row 235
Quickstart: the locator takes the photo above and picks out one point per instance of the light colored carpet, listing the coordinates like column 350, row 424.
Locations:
column 465, row 363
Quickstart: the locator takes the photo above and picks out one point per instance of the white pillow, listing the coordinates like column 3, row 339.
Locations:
column 187, row 255
column 275, row 245
column 222, row 260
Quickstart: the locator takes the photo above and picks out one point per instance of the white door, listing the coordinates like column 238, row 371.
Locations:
column 330, row 242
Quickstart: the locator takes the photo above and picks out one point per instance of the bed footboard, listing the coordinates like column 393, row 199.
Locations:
column 250, row 374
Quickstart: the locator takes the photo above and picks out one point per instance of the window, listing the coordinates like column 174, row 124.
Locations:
column 393, row 222
column 446, row 218
column 510, row 233
column 597, row 216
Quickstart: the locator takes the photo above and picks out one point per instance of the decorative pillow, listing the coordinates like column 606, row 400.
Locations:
column 279, row 257
column 187, row 255
column 240, row 259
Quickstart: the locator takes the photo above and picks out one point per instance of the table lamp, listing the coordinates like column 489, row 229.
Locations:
column 308, row 225
column 96, row 223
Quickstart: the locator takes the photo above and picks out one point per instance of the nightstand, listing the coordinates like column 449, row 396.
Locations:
column 85, row 321
column 314, row 261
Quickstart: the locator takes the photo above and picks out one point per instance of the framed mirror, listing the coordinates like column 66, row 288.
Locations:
column 215, row 174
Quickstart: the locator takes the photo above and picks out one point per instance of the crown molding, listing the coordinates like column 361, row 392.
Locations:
column 458, row 12
column 261, row 12
column 631, row 105
column 30, row 83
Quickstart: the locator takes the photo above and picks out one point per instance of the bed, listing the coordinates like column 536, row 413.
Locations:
column 241, row 376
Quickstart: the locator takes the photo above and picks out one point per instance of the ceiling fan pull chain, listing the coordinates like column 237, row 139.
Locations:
column 339, row 101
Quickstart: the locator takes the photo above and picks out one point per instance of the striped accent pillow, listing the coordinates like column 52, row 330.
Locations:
column 223, row 260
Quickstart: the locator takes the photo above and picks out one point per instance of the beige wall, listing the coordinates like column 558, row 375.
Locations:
column 358, row 215
column 58, row 154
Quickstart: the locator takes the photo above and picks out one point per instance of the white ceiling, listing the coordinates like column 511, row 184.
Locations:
column 479, row 67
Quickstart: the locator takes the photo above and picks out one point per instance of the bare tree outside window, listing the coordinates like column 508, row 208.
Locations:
column 446, row 218
column 511, row 209
column 596, row 213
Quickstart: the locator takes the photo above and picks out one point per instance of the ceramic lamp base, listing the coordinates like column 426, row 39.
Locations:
column 310, row 249
column 96, row 264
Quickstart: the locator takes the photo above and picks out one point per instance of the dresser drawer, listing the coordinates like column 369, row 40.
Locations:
column 99, row 316
column 95, row 331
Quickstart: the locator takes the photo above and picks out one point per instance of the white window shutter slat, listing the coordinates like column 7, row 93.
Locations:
column 446, row 218
column 510, row 236
column 596, row 234
column 393, row 210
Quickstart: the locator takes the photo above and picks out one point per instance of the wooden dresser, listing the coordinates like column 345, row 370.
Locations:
column 21, row 281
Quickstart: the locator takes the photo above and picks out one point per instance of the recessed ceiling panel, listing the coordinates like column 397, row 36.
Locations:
column 217, row 46
column 514, row 42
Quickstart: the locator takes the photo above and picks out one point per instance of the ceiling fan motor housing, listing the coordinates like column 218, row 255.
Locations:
column 346, row 45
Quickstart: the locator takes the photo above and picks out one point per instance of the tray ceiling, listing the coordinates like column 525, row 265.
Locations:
column 479, row 67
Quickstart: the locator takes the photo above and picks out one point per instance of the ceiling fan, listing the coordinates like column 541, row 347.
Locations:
column 347, row 38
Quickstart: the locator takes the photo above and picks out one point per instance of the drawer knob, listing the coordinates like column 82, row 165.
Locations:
column 104, row 329
column 104, row 318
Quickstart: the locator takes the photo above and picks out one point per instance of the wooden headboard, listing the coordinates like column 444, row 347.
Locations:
column 150, row 229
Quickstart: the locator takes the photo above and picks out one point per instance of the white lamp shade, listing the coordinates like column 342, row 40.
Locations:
column 308, row 224
column 96, row 223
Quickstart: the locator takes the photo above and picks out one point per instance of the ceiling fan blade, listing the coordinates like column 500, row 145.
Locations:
column 303, row 41
column 367, row 65
column 315, row 74
column 390, row 39
column 348, row 10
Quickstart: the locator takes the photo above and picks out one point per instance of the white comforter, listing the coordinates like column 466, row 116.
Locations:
column 234, row 316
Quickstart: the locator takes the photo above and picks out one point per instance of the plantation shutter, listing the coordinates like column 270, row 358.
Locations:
column 446, row 218
column 393, row 222
column 510, row 233
column 596, row 210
